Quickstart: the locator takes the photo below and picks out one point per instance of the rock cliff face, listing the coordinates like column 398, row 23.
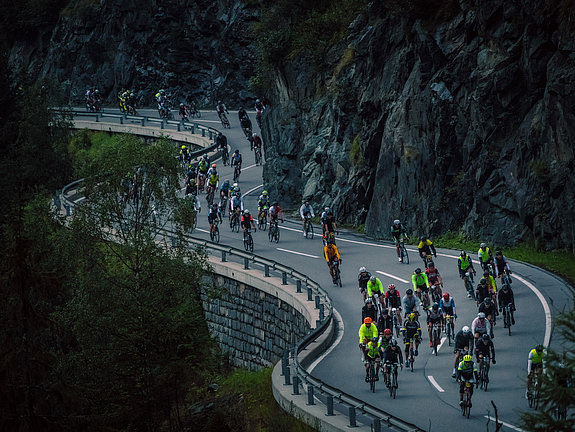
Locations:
column 197, row 49
column 460, row 120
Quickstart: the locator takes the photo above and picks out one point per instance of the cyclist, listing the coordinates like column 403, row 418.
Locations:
column 259, row 106
column 464, row 265
column 397, row 230
column 410, row 303
column 447, row 305
column 237, row 159
column 222, row 143
column 372, row 354
column 375, row 290
column 275, row 213
column 392, row 354
column 466, row 372
column 481, row 291
column 484, row 348
column 368, row 310
column 263, row 203
column 225, row 190
column 367, row 331
column 234, row 189
column 534, row 365
column 501, row 265
column 505, row 297
column 242, row 113
column 489, row 309
column 331, row 255
column 328, row 222
column 480, row 325
column 434, row 277
column 491, row 285
column 463, row 343
column 386, row 338
column 183, row 112
column 246, row 125
column 384, row 322
column 221, row 108
column 362, row 279
column 426, row 249
column 213, row 215
column 184, row 154
column 203, row 167
column 420, row 284
column 213, row 177
column 393, row 300
column 255, row 142
column 191, row 186
column 411, row 329
column 247, row 222
column 485, row 256
column 434, row 316
column 306, row 212
column 237, row 202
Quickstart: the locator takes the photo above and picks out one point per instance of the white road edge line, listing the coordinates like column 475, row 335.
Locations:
column 545, row 305
column 253, row 189
column 392, row 276
column 337, row 341
column 297, row 253
column 505, row 424
column 441, row 343
column 434, row 383
column 248, row 167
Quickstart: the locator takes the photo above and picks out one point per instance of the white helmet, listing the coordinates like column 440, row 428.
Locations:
column 235, row 186
column 396, row 222
column 362, row 269
column 465, row 329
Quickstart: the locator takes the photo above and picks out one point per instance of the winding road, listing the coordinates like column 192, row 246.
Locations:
column 428, row 396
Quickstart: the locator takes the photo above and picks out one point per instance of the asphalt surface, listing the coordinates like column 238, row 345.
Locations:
column 428, row 396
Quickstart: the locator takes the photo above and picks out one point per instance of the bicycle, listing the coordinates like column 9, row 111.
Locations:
column 225, row 121
column 248, row 241
column 533, row 391
column 507, row 323
column 274, row 231
column 391, row 378
column 371, row 376
column 449, row 328
column 435, row 294
column 308, row 228
column 484, row 372
column 225, row 156
column 403, row 253
column 237, row 172
column 215, row 232
column 235, row 220
column 466, row 405
column 424, row 299
column 223, row 205
column 210, row 195
column 336, row 273
column 468, row 279
column 201, row 182
column 411, row 356
column 194, row 112
column 507, row 277
column 394, row 322
column 263, row 218
column 435, row 337
column 258, row 155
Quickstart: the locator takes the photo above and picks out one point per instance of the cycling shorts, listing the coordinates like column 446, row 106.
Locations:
column 424, row 288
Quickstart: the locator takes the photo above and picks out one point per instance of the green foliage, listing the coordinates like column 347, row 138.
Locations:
column 355, row 153
column 346, row 60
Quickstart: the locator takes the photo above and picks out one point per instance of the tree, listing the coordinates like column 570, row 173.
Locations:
column 556, row 411
column 135, row 313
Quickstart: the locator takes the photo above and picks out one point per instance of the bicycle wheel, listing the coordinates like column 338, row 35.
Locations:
column 435, row 342
column 236, row 227
column 216, row 235
column 250, row 243
column 394, row 383
column 485, row 379
column 277, row 234
column 339, row 277
column 270, row 235
column 448, row 331
column 372, row 378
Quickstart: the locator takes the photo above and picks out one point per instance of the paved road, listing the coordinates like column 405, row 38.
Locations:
column 428, row 396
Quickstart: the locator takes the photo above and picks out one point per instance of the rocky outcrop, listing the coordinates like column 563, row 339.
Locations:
column 459, row 120
column 198, row 50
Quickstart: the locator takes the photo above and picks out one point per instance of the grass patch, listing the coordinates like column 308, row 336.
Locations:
column 560, row 262
column 261, row 409
column 346, row 60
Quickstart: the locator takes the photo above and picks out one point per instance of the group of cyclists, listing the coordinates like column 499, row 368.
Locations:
column 385, row 312
column 93, row 100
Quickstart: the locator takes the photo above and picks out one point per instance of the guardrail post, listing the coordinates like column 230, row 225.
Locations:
column 287, row 380
column 310, row 395
column 162, row 124
column 309, row 294
column 224, row 259
column 192, row 129
column 203, row 132
column 97, row 118
column 246, row 263
column 352, row 422
column 179, row 126
column 298, row 283
column 295, row 385
column 317, row 302
column 210, row 134
column 143, row 121
column 284, row 278
column 376, row 425
column 266, row 270
column 122, row 119
column 321, row 312
column 285, row 361
column 329, row 403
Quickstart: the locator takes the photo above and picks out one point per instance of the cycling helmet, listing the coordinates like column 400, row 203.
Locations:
column 235, row 185
column 181, row 105
column 480, row 315
column 409, row 292
column 499, row 252
column 422, row 238
column 487, row 300
column 374, row 339
column 465, row 329
column 391, row 286
column 257, row 101
column 326, row 209
column 446, row 296
column 367, row 320
column 265, row 193
column 362, row 270
column 238, row 151
column 396, row 222
column 306, row 203
column 485, row 337
column 254, row 135
column 387, row 332
column 431, row 264
column 275, row 204
column 486, row 273
column 331, row 238
column 368, row 300
column 329, row 212
column 539, row 348
column 371, row 279
column 417, row 270
column 467, row 358
column 227, row 182
column 462, row 253
column 215, row 206
column 384, row 311
column 214, row 166
column 505, row 287
column 246, row 212
column 435, row 306
column 219, row 102
column 238, row 194
column 412, row 316
column 97, row 91
column 482, row 245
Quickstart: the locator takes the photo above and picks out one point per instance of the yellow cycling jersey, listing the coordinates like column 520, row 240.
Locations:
column 426, row 242
column 214, row 179
column 536, row 358
column 372, row 350
column 483, row 254
column 367, row 332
